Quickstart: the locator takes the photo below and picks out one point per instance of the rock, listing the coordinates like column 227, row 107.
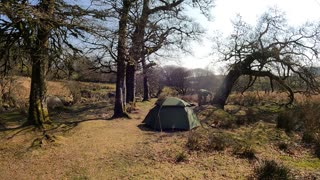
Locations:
column 54, row 102
column 241, row 113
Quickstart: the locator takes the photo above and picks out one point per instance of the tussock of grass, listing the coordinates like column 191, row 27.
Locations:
column 272, row 170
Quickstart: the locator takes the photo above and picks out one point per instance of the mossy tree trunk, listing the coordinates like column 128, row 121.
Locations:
column 38, row 111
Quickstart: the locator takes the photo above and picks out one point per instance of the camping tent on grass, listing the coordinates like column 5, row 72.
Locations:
column 171, row 113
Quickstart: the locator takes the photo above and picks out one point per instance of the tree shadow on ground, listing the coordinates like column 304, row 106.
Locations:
column 144, row 127
column 80, row 113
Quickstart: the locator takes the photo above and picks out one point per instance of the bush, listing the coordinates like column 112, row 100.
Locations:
column 308, row 137
column 317, row 150
column 244, row 150
column 75, row 91
column 181, row 157
column 311, row 117
column 219, row 141
column 251, row 99
column 270, row 170
column 290, row 120
column 194, row 141
column 283, row 146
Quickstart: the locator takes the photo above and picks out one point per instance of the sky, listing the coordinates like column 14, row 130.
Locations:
column 297, row 12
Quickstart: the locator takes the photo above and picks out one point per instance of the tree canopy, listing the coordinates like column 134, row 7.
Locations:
column 271, row 49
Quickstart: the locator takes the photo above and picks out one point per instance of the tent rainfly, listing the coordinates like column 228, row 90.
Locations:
column 171, row 113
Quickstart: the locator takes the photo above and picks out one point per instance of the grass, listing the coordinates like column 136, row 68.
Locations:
column 104, row 149
column 305, row 162
column 272, row 170
column 12, row 119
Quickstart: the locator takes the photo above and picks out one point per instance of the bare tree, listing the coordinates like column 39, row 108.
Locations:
column 177, row 78
column 203, row 79
column 155, row 25
column 122, row 58
column 39, row 29
column 272, row 49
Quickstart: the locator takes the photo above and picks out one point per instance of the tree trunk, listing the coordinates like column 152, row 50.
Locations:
column 136, row 52
column 224, row 90
column 38, row 111
column 146, row 93
column 119, row 106
column 131, row 82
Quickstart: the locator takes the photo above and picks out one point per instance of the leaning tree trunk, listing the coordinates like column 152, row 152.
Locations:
column 224, row 90
column 119, row 106
column 38, row 111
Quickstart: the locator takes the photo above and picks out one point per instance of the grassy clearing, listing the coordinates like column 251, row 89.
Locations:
column 89, row 146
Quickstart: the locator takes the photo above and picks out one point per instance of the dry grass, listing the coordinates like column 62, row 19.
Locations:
column 117, row 149
column 122, row 149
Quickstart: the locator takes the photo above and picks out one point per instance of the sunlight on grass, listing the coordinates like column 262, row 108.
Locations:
column 305, row 162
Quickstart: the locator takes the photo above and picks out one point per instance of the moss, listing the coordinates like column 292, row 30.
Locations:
column 273, row 108
column 307, row 163
column 216, row 117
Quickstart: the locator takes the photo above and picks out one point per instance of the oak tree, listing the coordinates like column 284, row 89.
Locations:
column 271, row 49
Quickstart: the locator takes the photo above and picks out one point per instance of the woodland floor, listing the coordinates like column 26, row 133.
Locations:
column 89, row 146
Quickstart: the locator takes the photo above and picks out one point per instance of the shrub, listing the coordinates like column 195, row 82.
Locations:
column 219, row 141
column 283, row 146
column 307, row 137
column 317, row 150
column 213, row 140
column 270, row 170
column 194, row 141
column 251, row 99
column 181, row 157
column 311, row 117
column 244, row 150
column 290, row 120
column 75, row 90
column 248, row 153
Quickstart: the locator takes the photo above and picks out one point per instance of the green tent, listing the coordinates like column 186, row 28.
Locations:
column 171, row 113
